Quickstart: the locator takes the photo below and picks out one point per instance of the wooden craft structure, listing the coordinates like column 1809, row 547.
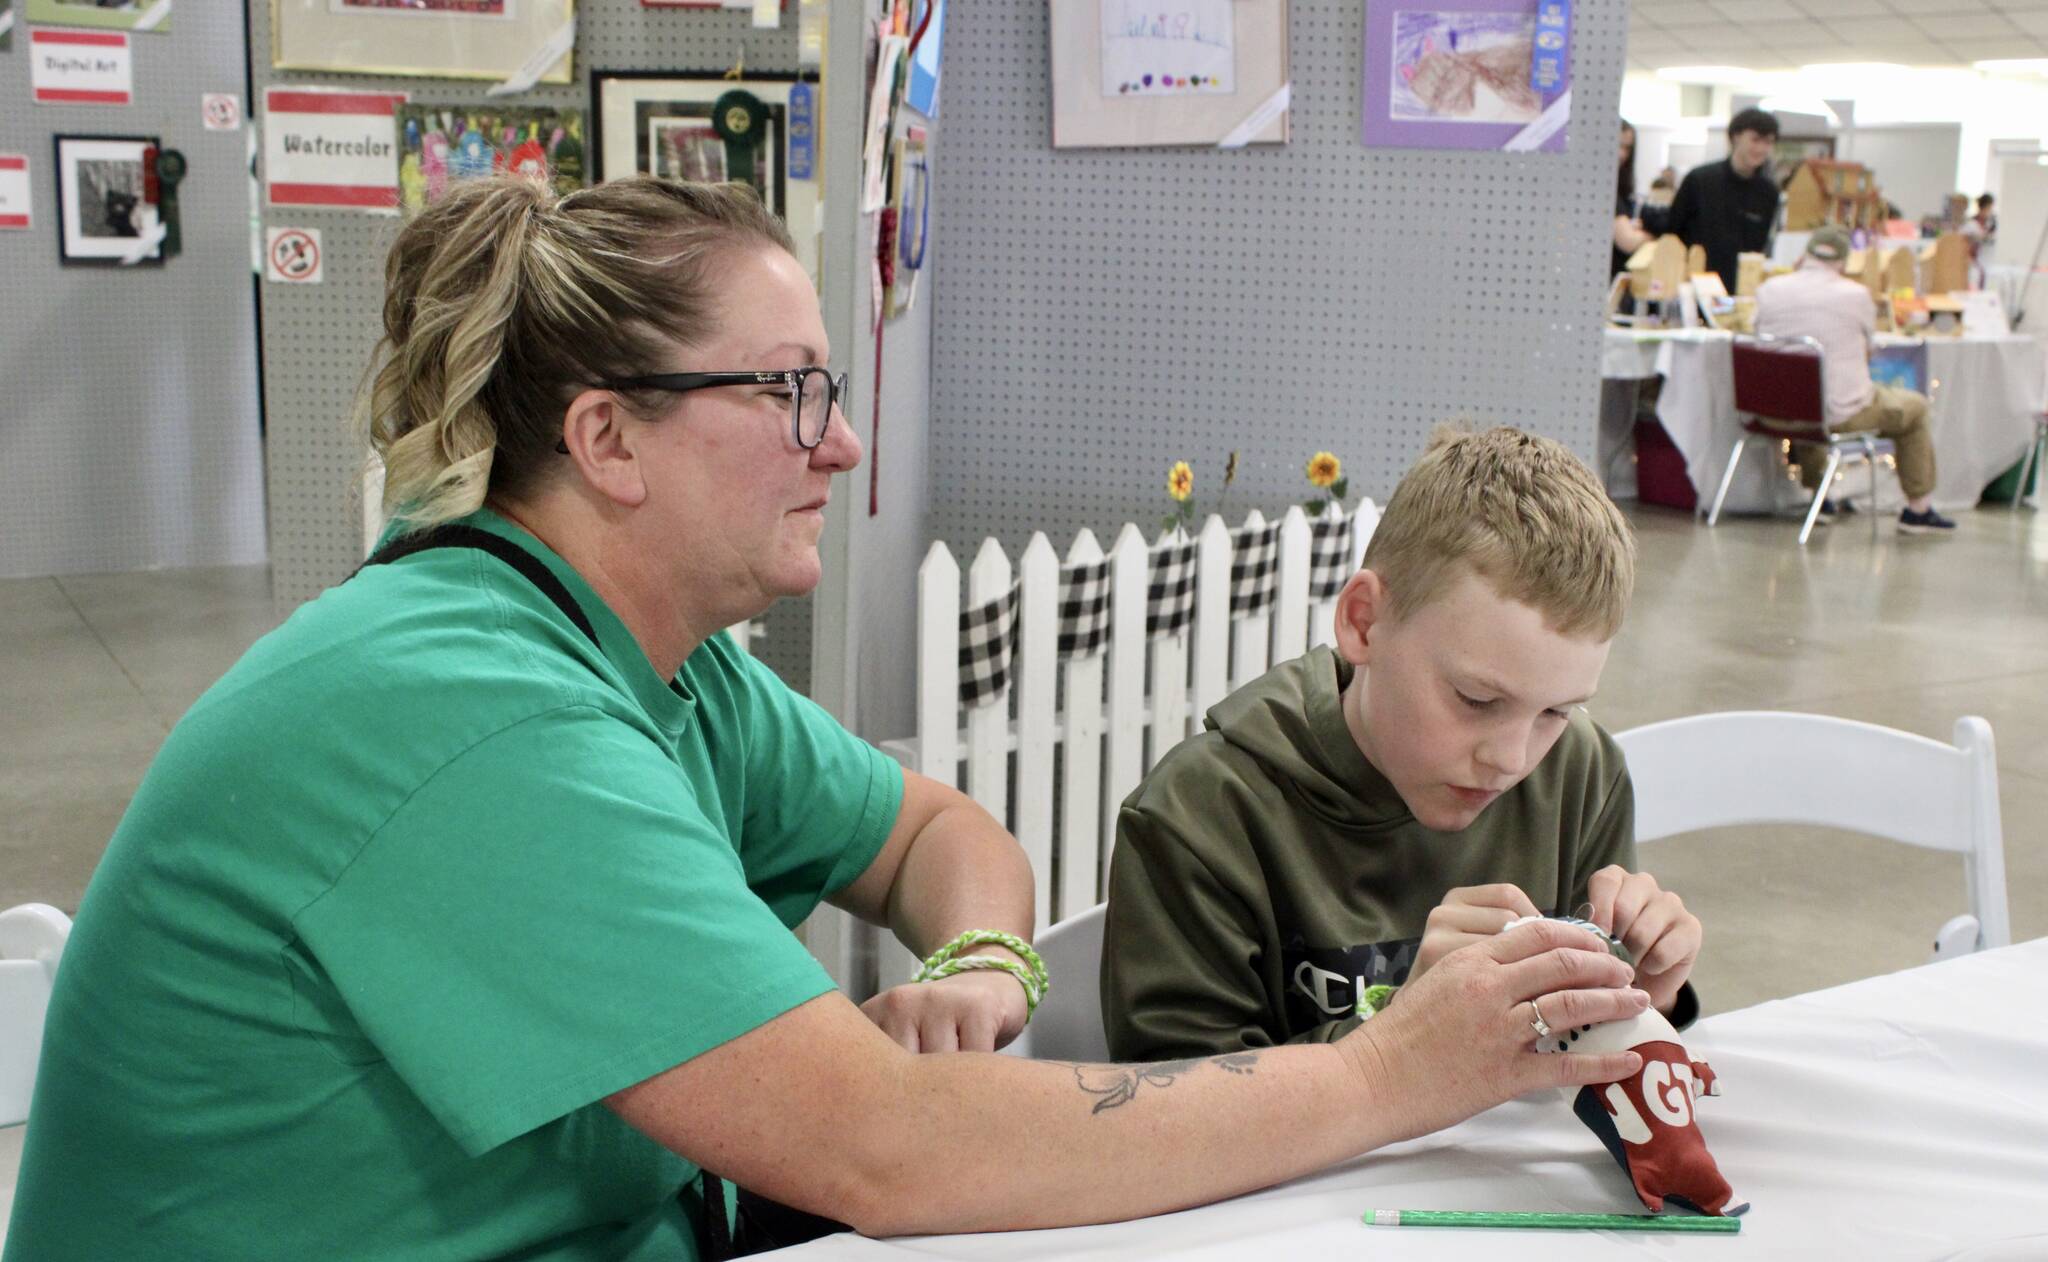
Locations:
column 1945, row 264
column 1823, row 191
column 1657, row 269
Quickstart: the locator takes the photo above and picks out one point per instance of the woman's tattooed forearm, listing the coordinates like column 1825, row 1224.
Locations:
column 1113, row 1085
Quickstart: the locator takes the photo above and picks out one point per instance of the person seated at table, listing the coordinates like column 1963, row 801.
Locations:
column 454, row 921
column 1816, row 300
column 1352, row 818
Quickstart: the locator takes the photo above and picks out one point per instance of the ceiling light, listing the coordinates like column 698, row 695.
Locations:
column 2013, row 65
column 1801, row 105
column 1706, row 74
column 1861, row 67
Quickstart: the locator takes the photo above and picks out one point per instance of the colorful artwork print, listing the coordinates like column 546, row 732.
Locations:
column 1458, row 75
column 1168, row 47
column 686, row 149
column 440, row 146
column 678, row 142
column 1463, row 67
column 116, row 15
column 444, row 8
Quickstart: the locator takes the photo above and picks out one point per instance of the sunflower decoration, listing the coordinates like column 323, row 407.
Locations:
column 1180, row 491
column 1325, row 474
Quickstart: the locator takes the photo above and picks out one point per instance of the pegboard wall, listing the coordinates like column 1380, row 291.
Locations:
column 317, row 339
column 1102, row 313
column 128, row 418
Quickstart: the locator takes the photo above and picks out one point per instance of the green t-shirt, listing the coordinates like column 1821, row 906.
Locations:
column 407, row 893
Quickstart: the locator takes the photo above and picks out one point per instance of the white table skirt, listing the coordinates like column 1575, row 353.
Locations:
column 1899, row 1118
column 1984, row 394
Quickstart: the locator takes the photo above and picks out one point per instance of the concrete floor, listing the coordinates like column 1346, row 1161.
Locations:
column 1911, row 633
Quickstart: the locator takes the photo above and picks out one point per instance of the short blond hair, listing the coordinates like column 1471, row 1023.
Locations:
column 1520, row 511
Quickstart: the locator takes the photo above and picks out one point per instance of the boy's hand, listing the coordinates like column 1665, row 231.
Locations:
column 1653, row 924
column 1471, row 913
column 1463, row 1039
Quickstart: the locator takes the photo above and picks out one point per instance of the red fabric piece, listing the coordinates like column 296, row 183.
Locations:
column 1647, row 1122
column 1660, row 470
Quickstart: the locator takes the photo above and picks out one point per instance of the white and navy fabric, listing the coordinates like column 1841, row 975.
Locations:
column 1254, row 569
column 988, row 638
column 1329, row 556
column 1084, row 608
column 1170, row 592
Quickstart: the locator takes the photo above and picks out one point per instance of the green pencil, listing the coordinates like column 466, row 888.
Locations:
column 1602, row 1222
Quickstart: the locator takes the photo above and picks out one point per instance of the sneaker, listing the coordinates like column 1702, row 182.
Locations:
column 1930, row 522
column 1831, row 508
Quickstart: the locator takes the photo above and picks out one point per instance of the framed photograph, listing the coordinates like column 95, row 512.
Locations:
column 660, row 124
column 441, row 145
column 106, row 199
column 113, row 15
column 448, row 39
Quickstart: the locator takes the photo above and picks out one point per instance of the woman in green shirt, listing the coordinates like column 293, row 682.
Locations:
column 453, row 922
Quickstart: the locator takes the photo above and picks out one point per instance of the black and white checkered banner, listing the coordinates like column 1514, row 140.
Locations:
column 1254, row 569
column 1170, row 591
column 1084, row 609
column 988, row 639
column 1329, row 556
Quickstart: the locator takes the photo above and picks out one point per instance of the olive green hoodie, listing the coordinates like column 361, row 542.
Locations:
column 1264, row 868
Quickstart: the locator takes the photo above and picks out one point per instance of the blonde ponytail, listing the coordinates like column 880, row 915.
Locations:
column 503, row 301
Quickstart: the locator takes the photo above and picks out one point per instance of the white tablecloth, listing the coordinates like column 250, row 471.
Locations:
column 1984, row 393
column 1898, row 1118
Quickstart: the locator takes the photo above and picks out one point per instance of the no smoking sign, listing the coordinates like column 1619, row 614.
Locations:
column 222, row 111
column 293, row 255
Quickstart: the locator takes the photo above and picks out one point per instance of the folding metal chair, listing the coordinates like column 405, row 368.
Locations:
column 2031, row 465
column 1781, row 394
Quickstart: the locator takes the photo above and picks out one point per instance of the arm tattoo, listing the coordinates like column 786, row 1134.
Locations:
column 1114, row 1085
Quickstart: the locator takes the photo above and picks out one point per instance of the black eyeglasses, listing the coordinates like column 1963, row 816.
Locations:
column 813, row 392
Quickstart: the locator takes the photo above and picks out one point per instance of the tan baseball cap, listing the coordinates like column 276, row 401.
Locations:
column 1829, row 244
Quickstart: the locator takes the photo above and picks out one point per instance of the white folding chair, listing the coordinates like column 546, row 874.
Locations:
column 1768, row 766
column 31, row 941
column 1068, row 1025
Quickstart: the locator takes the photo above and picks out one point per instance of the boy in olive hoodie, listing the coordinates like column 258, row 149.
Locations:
column 1351, row 816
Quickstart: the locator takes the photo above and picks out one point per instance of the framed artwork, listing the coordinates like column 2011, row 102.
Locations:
column 441, row 145
column 447, row 39
column 1467, row 74
column 1190, row 72
column 658, row 123
column 116, row 15
column 107, row 200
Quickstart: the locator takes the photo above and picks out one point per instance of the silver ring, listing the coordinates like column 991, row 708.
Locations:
column 1536, row 1021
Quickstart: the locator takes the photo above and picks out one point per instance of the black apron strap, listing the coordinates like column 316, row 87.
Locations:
column 460, row 536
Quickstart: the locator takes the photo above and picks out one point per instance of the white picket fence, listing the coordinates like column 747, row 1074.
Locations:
column 1055, row 749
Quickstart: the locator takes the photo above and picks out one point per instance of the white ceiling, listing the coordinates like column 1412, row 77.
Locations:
column 1785, row 34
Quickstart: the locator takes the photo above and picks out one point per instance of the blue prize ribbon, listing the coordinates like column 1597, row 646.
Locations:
column 917, row 213
column 803, row 132
column 1551, row 49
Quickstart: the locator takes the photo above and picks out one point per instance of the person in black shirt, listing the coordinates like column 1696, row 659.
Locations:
column 1628, row 230
column 1730, row 207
